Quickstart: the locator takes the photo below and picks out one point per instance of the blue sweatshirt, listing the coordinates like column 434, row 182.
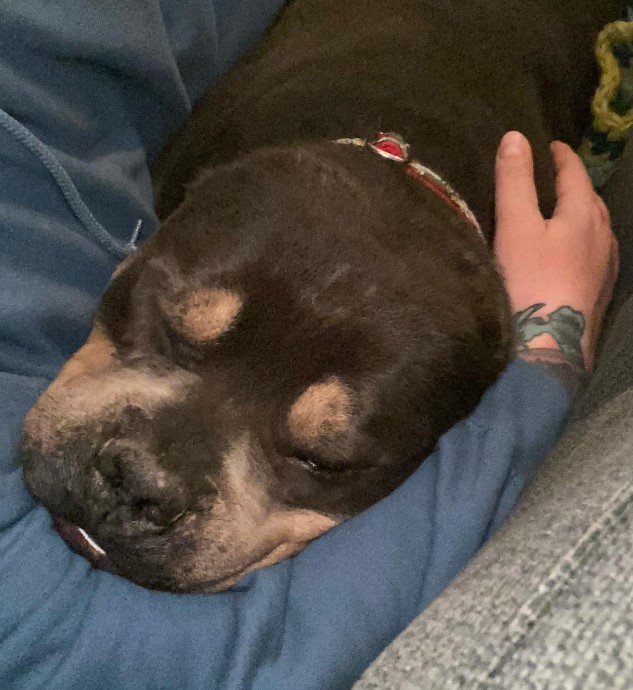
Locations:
column 90, row 91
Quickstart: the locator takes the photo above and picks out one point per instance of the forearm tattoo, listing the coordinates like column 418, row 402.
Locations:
column 566, row 326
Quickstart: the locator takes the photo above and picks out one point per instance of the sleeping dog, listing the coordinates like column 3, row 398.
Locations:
column 320, row 302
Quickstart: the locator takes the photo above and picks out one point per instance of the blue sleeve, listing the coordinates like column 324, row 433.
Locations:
column 100, row 86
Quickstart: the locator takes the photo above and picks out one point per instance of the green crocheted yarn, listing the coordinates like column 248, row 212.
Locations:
column 600, row 153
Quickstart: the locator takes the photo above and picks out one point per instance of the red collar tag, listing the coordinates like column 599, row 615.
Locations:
column 390, row 146
column 393, row 147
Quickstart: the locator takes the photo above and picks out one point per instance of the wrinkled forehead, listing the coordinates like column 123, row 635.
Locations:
column 283, row 315
column 107, row 373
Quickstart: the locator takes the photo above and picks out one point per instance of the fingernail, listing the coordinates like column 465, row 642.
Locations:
column 512, row 144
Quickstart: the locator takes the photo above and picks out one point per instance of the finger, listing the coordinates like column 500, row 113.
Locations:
column 574, row 191
column 604, row 211
column 515, row 191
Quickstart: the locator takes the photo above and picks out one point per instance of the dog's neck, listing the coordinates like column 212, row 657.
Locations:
column 393, row 147
column 419, row 68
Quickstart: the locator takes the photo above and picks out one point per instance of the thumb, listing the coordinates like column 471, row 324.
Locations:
column 516, row 198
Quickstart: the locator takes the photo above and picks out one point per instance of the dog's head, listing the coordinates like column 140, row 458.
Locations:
column 280, row 355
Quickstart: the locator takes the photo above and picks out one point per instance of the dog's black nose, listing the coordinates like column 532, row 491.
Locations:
column 130, row 492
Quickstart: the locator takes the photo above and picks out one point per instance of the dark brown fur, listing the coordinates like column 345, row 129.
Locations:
column 349, row 277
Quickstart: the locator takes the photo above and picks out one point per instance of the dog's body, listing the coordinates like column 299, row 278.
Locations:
column 306, row 323
column 452, row 79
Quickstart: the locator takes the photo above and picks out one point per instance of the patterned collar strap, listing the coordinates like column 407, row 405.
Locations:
column 393, row 147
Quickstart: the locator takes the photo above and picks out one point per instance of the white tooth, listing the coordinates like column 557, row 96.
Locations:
column 91, row 542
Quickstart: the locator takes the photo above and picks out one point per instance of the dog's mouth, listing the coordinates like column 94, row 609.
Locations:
column 83, row 544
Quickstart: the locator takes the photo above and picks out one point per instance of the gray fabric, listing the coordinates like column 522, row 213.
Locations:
column 614, row 369
column 548, row 603
column 579, row 644
column 492, row 627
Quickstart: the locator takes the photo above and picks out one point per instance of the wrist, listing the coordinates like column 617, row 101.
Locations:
column 559, row 327
column 553, row 337
column 554, row 362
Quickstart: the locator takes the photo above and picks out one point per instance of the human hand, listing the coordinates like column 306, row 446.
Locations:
column 560, row 272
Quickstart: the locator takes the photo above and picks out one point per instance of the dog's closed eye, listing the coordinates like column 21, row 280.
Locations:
column 319, row 467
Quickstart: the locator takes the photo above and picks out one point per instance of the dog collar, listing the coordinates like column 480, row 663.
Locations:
column 394, row 148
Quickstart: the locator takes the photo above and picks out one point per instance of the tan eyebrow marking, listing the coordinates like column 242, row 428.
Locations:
column 322, row 410
column 205, row 314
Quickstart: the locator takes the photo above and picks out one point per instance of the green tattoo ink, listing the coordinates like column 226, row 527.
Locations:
column 565, row 325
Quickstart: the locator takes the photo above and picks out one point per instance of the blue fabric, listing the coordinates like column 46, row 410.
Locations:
column 102, row 85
